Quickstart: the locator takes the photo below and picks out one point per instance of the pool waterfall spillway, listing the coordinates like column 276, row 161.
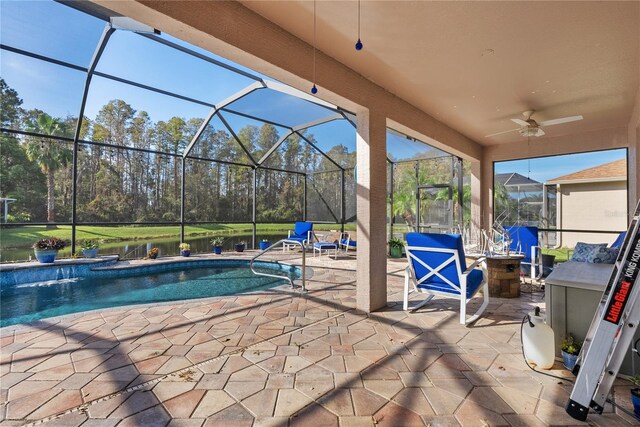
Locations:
column 285, row 243
column 66, row 273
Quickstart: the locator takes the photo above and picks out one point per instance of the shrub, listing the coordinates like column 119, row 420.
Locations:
column 571, row 345
column 50, row 244
column 89, row 244
column 217, row 241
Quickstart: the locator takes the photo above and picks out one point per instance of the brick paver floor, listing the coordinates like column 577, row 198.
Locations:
column 284, row 358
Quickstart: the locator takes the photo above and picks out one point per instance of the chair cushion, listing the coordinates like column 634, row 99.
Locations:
column 619, row 240
column 434, row 259
column 325, row 245
column 298, row 238
column 302, row 228
column 474, row 280
column 602, row 255
column 522, row 239
column 583, row 250
column 348, row 242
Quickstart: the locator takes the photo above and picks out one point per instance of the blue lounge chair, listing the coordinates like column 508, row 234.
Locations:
column 302, row 232
column 437, row 266
column 346, row 242
column 524, row 240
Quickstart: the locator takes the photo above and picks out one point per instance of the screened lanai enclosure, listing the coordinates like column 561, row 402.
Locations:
column 429, row 189
column 106, row 122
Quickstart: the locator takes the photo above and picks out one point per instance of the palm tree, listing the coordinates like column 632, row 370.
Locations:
column 49, row 154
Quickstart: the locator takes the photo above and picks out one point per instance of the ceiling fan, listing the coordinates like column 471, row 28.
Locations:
column 529, row 127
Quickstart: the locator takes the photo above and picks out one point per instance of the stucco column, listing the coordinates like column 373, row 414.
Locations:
column 486, row 189
column 371, row 192
column 476, row 198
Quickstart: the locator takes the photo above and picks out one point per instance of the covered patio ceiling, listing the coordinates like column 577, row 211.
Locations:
column 475, row 65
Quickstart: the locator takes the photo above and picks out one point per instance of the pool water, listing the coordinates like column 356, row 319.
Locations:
column 34, row 301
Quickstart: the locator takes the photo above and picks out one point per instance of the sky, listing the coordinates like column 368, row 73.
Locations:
column 543, row 169
column 60, row 32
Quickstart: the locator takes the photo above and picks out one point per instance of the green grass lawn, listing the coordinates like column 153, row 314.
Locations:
column 22, row 237
column 561, row 254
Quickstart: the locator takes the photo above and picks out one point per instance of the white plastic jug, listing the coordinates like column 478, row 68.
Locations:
column 538, row 341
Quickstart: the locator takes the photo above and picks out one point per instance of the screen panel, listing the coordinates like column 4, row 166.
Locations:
column 217, row 192
column 324, row 202
column 280, row 196
column 41, row 89
column 142, row 60
column 121, row 185
column 30, row 167
column 51, row 29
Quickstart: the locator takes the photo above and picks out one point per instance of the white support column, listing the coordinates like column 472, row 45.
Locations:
column 486, row 190
column 476, row 198
column 371, row 191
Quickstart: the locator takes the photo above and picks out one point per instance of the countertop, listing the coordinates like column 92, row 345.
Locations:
column 581, row 275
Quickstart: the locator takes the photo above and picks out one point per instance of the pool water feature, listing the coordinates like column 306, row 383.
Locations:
column 28, row 302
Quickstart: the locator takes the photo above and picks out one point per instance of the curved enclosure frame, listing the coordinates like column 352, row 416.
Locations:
column 125, row 136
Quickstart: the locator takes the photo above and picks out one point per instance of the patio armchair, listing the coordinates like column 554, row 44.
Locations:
column 437, row 266
column 302, row 232
column 524, row 240
column 346, row 241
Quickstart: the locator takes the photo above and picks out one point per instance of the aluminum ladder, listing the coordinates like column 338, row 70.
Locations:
column 611, row 331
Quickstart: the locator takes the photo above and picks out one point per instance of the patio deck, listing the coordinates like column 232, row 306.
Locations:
column 278, row 358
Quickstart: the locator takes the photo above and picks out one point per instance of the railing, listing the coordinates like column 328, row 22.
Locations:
column 282, row 242
column 134, row 250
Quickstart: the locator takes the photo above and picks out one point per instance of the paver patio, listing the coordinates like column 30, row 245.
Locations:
column 279, row 358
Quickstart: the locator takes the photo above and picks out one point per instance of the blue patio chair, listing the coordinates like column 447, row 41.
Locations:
column 619, row 240
column 346, row 242
column 524, row 240
column 437, row 266
column 302, row 232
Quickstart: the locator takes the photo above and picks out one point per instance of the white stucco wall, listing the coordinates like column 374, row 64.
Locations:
column 592, row 206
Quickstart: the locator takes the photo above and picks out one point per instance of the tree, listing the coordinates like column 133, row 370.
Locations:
column 22, row 180
column 48, row 154
column 10, row 103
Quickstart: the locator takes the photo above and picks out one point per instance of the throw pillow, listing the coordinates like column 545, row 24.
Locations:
column 603, row 255
column 583, row 250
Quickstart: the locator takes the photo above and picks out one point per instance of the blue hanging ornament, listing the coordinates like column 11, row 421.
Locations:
column 359, row 45
column 314, row 89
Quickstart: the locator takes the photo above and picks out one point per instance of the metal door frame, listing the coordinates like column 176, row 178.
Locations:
column 419, row 226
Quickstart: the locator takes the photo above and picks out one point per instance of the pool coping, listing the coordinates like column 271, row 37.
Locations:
column 50, row 322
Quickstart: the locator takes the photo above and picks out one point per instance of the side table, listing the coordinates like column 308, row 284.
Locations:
column 504, row 275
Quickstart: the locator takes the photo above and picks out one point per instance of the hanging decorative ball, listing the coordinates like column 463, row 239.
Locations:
column 314, row 89
column 358, row 45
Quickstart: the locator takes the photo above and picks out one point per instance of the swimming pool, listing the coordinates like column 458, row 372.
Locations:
column 28, row 302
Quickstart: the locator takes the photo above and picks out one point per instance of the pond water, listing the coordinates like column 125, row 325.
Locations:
column 138, row 248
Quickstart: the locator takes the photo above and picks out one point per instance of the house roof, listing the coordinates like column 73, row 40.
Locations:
column 612, row 171
column 513, row 179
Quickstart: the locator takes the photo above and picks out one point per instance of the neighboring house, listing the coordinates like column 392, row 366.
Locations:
column 592, row 199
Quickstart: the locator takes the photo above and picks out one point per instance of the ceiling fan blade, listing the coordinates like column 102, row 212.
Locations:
column 500, row 133
column 520, row 122
column 560, row 121
column 540, row 132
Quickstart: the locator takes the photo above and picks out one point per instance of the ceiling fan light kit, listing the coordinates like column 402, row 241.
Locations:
column 530, row 127
column 531, row 131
